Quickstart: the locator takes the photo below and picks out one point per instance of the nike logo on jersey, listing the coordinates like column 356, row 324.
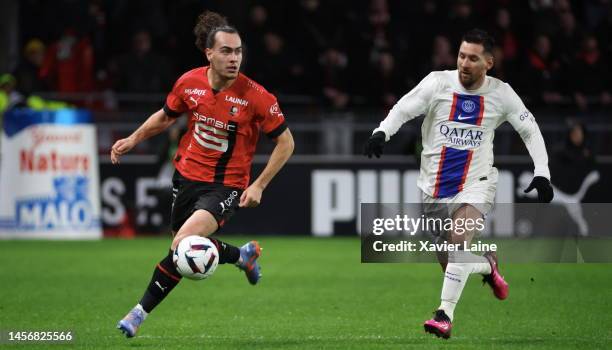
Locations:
column 223, row 208
column 473, row 105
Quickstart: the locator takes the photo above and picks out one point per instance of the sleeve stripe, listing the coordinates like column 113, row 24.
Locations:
column 170, row 112
column 276, row 132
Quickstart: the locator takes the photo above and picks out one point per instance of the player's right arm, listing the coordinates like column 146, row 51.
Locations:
column 410, row 106
column 155, row 124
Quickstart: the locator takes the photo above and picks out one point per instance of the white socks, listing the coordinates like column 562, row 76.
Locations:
column 460, row 265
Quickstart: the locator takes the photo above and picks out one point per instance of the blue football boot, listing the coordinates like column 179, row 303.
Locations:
column 248, row 255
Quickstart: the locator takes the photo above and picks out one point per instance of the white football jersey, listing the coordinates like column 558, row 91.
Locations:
column 459, row 127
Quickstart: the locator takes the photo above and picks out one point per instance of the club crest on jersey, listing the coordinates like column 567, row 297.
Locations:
column 468, row 106
column 468, row 109
column 233, row 110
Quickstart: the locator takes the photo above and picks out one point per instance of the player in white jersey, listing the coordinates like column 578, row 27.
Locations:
column 462, row 109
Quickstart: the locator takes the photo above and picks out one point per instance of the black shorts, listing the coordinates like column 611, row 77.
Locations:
column 189, row 196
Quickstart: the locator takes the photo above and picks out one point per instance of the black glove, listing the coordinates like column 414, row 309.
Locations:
column 374, row 145
column 545, row 191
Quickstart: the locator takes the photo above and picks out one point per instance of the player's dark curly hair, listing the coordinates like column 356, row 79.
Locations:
column 479, row 36
column 209, row 24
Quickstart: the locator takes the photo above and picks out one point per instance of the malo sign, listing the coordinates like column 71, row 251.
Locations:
column 49, row 183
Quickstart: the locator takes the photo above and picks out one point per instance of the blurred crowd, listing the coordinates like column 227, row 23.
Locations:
column 341, row 53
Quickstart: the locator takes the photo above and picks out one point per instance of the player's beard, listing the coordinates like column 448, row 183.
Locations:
column 468, row 80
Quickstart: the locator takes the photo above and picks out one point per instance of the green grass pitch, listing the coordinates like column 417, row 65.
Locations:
column 315, row 294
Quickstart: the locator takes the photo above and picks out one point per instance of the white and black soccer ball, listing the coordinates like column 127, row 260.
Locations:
column 196, row 257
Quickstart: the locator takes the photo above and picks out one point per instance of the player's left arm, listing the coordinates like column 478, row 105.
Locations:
column 525, row 124
column 251, row 197
column 274, row 126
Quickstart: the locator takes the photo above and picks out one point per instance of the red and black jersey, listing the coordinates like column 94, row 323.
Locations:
column 223, row 127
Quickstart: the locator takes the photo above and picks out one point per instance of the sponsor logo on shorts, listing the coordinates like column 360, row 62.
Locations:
column 227, row 203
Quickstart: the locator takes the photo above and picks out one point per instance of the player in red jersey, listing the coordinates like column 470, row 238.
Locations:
column 226, row 112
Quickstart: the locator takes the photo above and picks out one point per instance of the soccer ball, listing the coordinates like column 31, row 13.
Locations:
column 196, row 257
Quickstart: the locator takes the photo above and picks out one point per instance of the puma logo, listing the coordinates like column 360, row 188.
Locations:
column 163, row 289
column 195, row 102
column 565, row 199
column 226, row 204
